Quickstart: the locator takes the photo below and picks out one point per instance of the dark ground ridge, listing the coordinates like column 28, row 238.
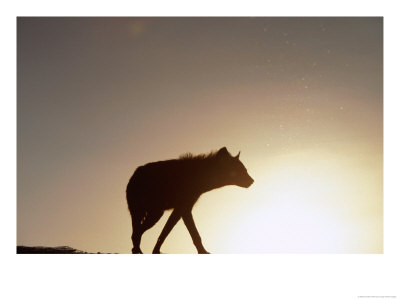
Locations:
column 52, row 250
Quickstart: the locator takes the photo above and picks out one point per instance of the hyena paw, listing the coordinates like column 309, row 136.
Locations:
column 136, row 251
column 203, row 252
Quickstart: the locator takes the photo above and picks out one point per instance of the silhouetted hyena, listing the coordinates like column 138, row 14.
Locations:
column 177, row 184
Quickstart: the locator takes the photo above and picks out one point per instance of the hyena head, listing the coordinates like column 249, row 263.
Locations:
column 231, row 169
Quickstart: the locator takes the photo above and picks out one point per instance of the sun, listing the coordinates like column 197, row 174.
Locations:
column 299, row 206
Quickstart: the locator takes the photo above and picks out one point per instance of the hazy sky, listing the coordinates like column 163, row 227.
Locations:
column 300, row 97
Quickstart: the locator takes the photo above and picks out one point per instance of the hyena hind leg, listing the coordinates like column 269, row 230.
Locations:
column 141, row 225
column 151, row 219
column 137, row 219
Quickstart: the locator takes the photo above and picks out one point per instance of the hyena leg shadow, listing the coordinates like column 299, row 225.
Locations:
column 172, row 220
column 141, row 222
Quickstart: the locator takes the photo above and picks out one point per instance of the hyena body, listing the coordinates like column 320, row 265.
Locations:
column 177, row 184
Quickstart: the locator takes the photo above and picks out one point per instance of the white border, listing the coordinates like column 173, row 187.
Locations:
column 189, row 276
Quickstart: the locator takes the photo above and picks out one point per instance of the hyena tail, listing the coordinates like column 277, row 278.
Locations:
column 132, row 190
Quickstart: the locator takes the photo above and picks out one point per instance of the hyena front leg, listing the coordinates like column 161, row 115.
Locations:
column 189, row 222
column 172, row 220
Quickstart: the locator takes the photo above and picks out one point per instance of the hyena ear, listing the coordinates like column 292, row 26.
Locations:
column 223, row 152
column 237, row 156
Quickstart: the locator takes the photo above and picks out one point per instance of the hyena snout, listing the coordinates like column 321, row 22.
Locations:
column 250, row 181
column 246, row 181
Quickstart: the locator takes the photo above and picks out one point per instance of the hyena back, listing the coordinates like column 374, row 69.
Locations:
column 177, row 184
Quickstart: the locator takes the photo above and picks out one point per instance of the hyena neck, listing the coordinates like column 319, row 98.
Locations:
column 209, row 186
column 208, row 177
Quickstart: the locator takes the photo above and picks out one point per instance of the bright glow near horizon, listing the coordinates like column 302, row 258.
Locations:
column 310, row 206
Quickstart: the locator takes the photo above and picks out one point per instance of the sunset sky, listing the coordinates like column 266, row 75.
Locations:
column 301, row 98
